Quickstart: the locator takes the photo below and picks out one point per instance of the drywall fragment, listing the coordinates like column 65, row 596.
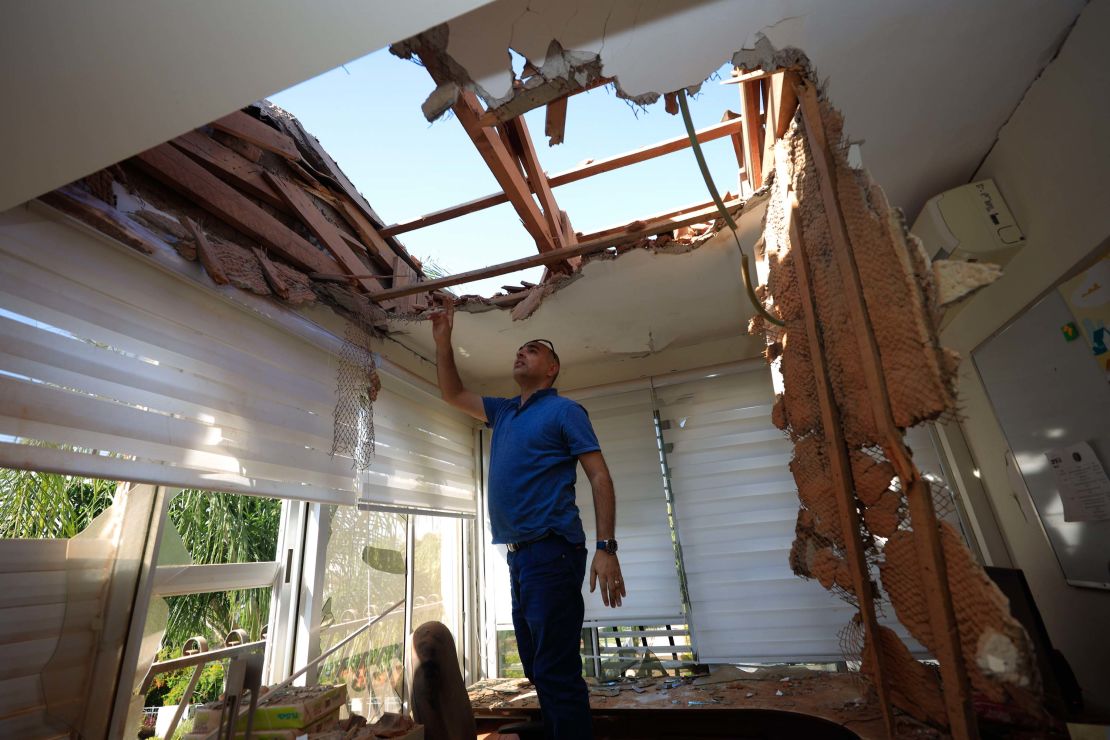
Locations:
column 440, row 101
column 956, row 279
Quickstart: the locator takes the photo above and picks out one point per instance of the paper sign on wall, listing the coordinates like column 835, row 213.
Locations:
column 1082, row 482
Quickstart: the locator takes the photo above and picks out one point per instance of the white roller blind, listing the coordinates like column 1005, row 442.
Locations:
column 113, row 367
column 736, row 507
column 625, row 426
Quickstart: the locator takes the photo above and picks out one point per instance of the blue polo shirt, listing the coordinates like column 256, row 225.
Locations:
column 533, row 460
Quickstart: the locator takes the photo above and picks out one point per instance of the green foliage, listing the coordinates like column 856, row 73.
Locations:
column 168, row 689
column 37, row 505
column 222, row 528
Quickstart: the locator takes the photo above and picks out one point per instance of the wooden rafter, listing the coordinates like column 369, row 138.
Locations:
column 176, row 170
column 537, row 178
column 504, row 168
column 709, row 133
column 253, row 131
column 325, row 231
column 634, row 231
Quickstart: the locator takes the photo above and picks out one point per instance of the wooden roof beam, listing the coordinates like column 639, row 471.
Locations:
column 547, row 258
column 709, row 133
column 504, row 168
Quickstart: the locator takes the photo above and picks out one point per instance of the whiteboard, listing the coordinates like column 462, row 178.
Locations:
column 1050, row 393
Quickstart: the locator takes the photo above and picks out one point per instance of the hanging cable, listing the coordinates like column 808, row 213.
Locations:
column 745, row 273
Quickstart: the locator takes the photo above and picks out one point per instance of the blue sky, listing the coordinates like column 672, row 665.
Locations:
column 367, row 115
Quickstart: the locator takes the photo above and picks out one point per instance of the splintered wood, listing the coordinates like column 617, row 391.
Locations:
column 861, row 362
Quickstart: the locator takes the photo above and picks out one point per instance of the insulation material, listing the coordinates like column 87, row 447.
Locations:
column 915, row 686
column 900, row 308
column 997, row 651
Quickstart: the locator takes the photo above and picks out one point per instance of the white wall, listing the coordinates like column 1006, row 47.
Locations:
column 1050, row 164
column 86, row 85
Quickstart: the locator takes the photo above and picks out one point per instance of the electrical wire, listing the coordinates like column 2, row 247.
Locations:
column 745, row 273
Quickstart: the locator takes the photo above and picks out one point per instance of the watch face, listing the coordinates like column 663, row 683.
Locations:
column 611, row 546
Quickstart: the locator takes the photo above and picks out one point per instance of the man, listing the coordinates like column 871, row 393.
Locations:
column 538, row 440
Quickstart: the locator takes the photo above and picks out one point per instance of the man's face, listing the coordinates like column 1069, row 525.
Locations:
column 534, row 362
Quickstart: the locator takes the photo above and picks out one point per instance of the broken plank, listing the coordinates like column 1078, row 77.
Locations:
column 547, row 258
column 527, row 98
column 269, row 271
column 555, row 123
column 175, row 169
column 325, row 231
column 231, row 166
column 97, row 214
column 504, row 168
column 207, row 256
column 253, row 131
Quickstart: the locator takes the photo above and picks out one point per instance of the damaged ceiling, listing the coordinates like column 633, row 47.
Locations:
column 890, row 66
column 647, row 311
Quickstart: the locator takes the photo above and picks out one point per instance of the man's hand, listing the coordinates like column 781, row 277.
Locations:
column 607, row 570
column 443, row 319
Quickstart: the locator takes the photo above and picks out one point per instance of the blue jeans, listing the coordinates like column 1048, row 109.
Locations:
column 547, row 615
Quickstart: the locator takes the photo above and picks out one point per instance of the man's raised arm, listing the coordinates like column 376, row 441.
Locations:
column 451, row 387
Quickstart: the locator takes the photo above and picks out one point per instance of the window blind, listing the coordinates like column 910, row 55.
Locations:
column 113, row 367
column 625, row 426
column 736, row 507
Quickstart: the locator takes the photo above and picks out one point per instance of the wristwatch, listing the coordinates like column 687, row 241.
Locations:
column 609, row 546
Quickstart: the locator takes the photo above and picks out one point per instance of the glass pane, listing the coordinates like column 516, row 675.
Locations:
column 508, row 659
column 365, row 575
column 437, row 573
column 218, row 527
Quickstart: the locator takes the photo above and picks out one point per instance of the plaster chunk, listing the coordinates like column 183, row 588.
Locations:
column 956, row 280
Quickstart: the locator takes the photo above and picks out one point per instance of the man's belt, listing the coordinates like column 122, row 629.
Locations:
column 514, row 546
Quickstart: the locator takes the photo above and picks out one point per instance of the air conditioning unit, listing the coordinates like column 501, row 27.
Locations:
column 971, row 223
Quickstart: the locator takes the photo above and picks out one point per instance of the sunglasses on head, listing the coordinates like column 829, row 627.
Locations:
column 545, row 342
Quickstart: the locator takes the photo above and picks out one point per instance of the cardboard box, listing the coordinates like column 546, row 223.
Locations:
column 291, row 708
column 323, row 724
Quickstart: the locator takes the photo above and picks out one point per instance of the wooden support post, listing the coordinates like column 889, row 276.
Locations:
column 753, row 146
column 926, row 533
column 837, row 454
column 504, row 168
